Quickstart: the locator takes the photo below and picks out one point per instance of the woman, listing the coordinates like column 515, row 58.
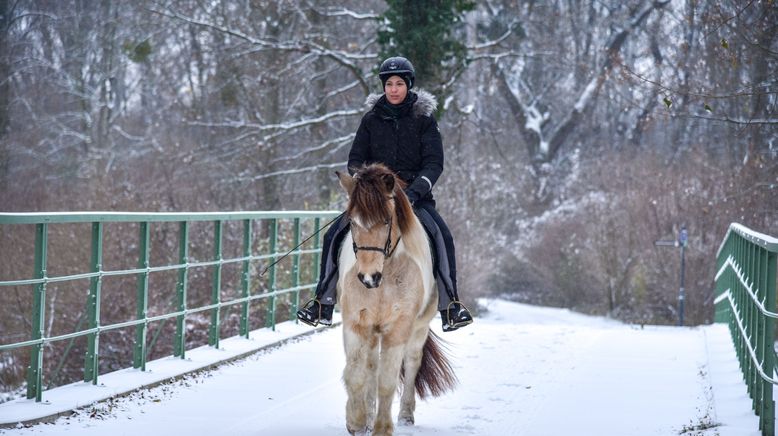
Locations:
column 401, row 132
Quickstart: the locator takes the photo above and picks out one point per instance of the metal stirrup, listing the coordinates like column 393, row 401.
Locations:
column 309, row 303
column 450, row 321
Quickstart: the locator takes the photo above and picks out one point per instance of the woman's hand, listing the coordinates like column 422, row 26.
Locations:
column 412, row 195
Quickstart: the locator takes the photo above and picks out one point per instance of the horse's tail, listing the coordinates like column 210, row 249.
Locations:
column 435, row 376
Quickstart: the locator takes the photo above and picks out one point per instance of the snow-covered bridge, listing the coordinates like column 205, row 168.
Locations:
column 522, row 369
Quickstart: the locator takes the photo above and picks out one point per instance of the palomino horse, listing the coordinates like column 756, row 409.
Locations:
column 388, row 296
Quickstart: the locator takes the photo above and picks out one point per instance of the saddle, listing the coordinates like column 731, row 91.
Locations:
column 440, row 266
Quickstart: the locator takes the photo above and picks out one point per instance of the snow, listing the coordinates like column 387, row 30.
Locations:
column 535, row 119
column 72, row 396
column 586, row 95
column 522, row 370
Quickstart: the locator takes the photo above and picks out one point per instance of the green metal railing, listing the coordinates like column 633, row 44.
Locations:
column 96, row 273
column 746, row 300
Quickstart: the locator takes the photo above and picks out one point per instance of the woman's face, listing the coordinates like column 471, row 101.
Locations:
column 395, row 90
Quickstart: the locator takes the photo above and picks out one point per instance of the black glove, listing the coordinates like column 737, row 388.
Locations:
column 413, row 196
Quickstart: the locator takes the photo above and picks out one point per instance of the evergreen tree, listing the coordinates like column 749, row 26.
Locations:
column 425, row 33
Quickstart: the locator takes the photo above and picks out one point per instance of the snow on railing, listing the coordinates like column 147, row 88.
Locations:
column 746, row 300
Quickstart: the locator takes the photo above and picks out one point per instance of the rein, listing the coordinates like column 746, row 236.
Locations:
column 301, row 244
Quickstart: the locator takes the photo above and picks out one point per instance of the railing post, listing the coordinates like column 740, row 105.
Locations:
column 213, row 331
column 767, row 417
column 271, row 310
column 139, row 354
column 722, row 312
column 759, row 324
column 316, row 245
column 245, row 280
column 179, row 346
column 296, row 269
column 35, row 370
column 91, row 361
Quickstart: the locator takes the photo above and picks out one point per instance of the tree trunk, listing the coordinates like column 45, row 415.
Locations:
column 5, row 90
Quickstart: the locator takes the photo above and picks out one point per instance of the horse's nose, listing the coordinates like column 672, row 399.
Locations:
column 371, row 281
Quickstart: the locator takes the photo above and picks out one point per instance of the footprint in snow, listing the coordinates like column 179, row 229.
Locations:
column 464, row 429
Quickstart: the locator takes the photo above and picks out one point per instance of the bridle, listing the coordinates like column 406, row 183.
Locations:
column 387, row 249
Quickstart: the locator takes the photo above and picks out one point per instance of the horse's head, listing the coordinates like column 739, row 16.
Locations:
column 379, row 211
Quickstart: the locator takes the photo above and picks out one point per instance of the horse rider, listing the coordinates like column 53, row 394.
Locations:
column 401, row 132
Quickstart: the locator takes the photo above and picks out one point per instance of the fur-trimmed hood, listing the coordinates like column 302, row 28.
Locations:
column 425, row 104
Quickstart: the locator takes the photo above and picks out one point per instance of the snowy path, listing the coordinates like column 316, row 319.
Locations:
column 523, row 371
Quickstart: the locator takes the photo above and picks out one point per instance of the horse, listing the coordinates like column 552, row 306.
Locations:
column 387, row 294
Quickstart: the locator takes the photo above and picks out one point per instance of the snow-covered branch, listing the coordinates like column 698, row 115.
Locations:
column 344, row 58
column 279, row 126
column 340, row 141
column 292, row 171
column 343, row 12
column 293, row 46
column 496, row 41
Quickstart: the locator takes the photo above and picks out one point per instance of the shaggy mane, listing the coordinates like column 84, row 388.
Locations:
column 369, row 198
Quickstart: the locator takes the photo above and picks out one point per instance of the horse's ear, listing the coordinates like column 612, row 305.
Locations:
column 346, row 181
column 388, row 180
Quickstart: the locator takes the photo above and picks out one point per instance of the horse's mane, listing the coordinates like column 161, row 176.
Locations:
column 368, row 199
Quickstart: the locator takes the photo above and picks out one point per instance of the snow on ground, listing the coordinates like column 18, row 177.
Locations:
column 523, row 370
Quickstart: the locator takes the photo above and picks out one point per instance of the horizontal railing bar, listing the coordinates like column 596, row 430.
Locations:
column 251, row 298
column 135, row 322
column 765, row 241
column 150, row 269
column 759, row 304
column 751, row 351
column 90, row 217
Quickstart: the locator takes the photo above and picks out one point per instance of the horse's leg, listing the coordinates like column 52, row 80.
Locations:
column 411, row 363
column 393, row 346
column 371, row 383
column 356, row 378
column 388, row 375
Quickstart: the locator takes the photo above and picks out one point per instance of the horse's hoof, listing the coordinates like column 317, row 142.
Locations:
column 405, row 420
column 365, row 431
column 386, row 429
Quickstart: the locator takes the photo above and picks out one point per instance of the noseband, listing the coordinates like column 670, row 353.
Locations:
column 387, row 250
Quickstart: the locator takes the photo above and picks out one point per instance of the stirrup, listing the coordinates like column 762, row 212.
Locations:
column 451, row 324
column 302, row 313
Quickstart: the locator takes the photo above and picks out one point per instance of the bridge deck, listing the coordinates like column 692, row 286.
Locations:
column 523, row 371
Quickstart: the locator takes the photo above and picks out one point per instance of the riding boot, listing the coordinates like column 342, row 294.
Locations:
column 453, row 313
column 315, row 313
column 455, row 316
column 319, row 309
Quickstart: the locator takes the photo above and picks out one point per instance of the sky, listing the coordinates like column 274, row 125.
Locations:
column 522, row 370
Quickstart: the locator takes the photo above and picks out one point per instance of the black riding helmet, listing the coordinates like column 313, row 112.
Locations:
column 397, row 66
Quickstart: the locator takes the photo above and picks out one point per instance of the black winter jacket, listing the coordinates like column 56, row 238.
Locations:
column 409, row 143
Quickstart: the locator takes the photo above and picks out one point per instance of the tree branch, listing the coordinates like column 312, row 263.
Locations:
column 561, row 132
column 343, row 58
column 289, row 172
column 343, row 12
